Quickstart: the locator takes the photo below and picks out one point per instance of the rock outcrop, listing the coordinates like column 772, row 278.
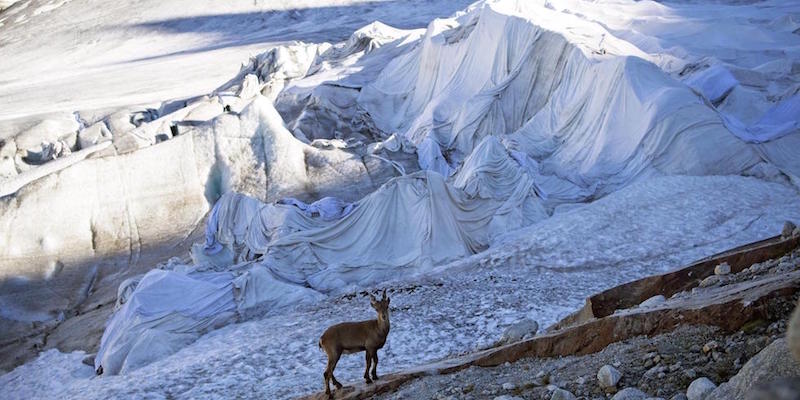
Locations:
column 768, row 366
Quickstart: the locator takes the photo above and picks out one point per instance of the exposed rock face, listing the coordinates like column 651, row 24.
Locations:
column 772, row 363
column 608, row 376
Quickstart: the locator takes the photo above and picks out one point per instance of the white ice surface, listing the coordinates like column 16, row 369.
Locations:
column 85, row 55
column 542, row 272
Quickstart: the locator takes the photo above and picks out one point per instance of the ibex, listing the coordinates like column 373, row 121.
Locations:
column 354, row 337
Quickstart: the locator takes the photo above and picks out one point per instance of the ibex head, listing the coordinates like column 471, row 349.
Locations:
column 381, row 306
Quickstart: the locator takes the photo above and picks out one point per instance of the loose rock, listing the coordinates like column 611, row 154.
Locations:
column 722, row 269
column 710, row 281
column 518, row 330
column 608, row 376
column 630, row 394
column 788, row 228
column 774, row 362
column 793, row 333
column 700, row 388
column 710, row 346
column 561, row 394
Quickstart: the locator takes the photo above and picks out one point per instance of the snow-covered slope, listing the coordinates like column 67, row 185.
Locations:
column 542, row 272
column 62, row 56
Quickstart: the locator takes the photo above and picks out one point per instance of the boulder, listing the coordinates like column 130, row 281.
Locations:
column 630, row 394
column 700, row 388
column 722, row 269
column 788, row 228
column 561, row 394
column 608, row 376
column 793, row 333
column 776, row 389
column 772, row 363
column 519, row 330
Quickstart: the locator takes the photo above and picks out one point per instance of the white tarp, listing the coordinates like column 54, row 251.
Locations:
column 511, row 111
column 414, row 221
column 169, row 309
column 418, row 220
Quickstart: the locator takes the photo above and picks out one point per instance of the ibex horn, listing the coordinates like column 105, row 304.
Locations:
column 384, row 294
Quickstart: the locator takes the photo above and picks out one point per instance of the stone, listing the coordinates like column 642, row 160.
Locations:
column 89, row 359
column 517, row 331
column 653, row 301
column 788, row 228
column 562, row 394
column 796, row 231
column 507, row 397
column 793, row 333
column 776, row 389
column 722, row 269
column 772, row 363
column 710, row 281
column 679, row 396
column 608, row 376
column 710, row 346
column 509, row 386
column 700, row 388
column 690, row 373
column 630, row 394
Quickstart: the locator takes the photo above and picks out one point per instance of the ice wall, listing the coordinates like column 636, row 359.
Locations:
column 61, row 235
